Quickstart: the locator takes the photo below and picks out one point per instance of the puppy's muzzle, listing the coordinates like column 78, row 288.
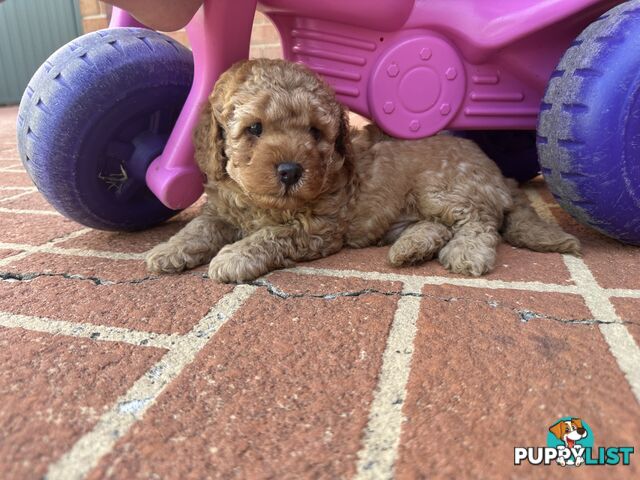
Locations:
column 289, row 173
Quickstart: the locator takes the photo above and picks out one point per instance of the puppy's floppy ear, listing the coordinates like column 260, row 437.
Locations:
column 577, row 422
column 343, row 140
column 209, row 135
column 557, row 429
column 209, row 144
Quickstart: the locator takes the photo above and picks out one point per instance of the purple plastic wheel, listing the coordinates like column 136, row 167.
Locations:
column 94, row 116
column 589, row 129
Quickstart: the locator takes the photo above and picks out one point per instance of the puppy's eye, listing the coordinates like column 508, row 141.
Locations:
column 255, row 129
column 315, row 133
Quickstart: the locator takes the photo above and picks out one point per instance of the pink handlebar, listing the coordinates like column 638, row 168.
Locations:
column 174, row 177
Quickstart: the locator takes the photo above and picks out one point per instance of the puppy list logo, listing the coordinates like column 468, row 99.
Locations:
column 570, row 443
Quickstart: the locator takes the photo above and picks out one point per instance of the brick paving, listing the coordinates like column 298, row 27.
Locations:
column 339, row 368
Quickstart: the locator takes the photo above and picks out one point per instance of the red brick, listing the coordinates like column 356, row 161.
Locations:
column 520, row 302
column 264, row 51
column 8, row 114
column 169, row 304
column 89, row 7
column 53, row 390
column 318, row 286
column 9, row 193
column 483, row 382
column 614, row 265
column 32, row 229
column 261, row 19
column 99, row 268
column 8, row 253
column 628, row 309
column 95, row 22
column 8, row 157
column 32, row 201
column 8, row 162
column 264, row 34
column 133, row 242
column 9, row 179
column 512, row 264
column 282, row 391
column 179, row 36
column 105, row 8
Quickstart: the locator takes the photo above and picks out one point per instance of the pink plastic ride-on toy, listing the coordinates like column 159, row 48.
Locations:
column 105, row 125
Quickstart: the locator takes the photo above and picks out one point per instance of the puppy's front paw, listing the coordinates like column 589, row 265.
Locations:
column 165, row 258
column 235, row 266
column 467, row 258
column 172, row 258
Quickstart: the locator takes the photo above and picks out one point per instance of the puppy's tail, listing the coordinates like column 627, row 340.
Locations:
column 522, row 227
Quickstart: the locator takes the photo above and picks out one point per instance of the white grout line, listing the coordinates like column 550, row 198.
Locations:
column 29, row 249
column 82, row 252
column 30, row 189
column 29, row 212
column 17, row 168
column 13, row 258
column 435, row 280
column 622, row 345
column 16, row 196
column 622, row 292
column 74, row 252
column 626, row 352
column 131, row 407
column 381, row 437
column 87, row 330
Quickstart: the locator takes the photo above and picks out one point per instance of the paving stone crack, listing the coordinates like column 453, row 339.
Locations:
column 524, row 315
column 27, row 277
column 277, row 292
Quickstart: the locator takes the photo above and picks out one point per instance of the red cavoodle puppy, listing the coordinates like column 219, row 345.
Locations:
column 288, row 180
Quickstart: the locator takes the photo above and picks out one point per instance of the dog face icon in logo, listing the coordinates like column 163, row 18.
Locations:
column 570, row 432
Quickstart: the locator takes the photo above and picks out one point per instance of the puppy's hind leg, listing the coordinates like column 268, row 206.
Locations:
column 419, row 242
column 522, row 227
column 472, row 250
column 194, row 245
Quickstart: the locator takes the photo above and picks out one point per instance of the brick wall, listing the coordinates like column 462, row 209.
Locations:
column 94, row 15
column 265, row 41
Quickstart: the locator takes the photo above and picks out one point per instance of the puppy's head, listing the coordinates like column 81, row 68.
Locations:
column 569, row 430
column 273, row 130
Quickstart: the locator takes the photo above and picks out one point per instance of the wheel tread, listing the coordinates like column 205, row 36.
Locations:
column 115, row 44
column 587, row 72
column 575, row 108
column 558, row 142
column 146, row 41
column 46, row 98
column 85, row 58
column 42, row 107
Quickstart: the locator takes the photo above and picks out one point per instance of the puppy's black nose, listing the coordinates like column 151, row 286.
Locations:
column 581, row 431
column 289, row 173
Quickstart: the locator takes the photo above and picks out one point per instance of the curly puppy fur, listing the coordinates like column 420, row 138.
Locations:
column 440, row 196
